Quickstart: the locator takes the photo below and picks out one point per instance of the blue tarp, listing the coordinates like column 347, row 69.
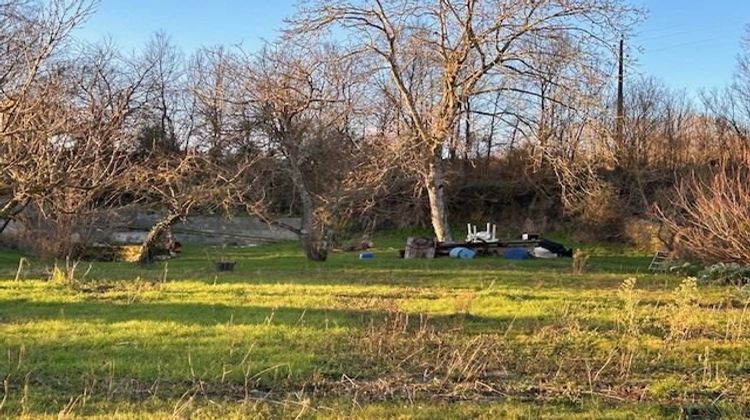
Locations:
column 517, row 254
column 463, row 253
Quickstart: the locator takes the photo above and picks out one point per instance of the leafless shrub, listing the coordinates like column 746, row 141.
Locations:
column 589, row 199
column 710, row 214
column 45, row 238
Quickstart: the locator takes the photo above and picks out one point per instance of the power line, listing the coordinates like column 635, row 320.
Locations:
column 673, row 35
column 684, row 44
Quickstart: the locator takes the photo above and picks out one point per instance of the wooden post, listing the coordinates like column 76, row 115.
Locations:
column 620, row 117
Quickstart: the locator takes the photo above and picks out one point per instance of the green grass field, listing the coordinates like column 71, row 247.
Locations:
column 283, row 337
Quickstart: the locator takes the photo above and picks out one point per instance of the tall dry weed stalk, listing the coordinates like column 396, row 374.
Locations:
column 629, row 325
column 580, row 262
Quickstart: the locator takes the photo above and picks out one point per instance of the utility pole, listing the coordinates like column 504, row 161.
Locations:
column 620, row 117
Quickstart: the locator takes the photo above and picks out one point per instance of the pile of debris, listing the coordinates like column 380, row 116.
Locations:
column 486, row 243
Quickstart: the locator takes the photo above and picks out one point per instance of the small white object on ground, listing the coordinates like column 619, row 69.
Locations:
column 540, row 252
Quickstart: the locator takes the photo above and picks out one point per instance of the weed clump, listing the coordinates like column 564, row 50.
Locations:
column 630, row 328
column 731, row 273
column 64, row 275
column 407, row 355
column 580, row 262
column 681, row 315
column 463, row 302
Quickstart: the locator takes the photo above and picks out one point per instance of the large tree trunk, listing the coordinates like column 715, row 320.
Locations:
column 435, row 183
column 153, row 236
column 313, row 248
column 311, row 236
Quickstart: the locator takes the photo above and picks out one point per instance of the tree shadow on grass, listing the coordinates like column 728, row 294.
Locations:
column 255, row 267
column 441, row 277
column 178, row 338
column 207, row 315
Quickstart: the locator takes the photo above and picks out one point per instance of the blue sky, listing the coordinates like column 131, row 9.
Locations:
column 689, row 44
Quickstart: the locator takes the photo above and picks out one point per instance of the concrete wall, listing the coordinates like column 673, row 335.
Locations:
column 13, row 228
column 214, row 230
column 131, row 226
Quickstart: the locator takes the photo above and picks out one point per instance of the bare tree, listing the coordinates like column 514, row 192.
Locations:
column 302, row 104
column 741, row 85
column 441, row 54
column 166, row 112
column 29, row 40
column 62, row 122
column 295, row 113
column 181, row 183
column 218, row 122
